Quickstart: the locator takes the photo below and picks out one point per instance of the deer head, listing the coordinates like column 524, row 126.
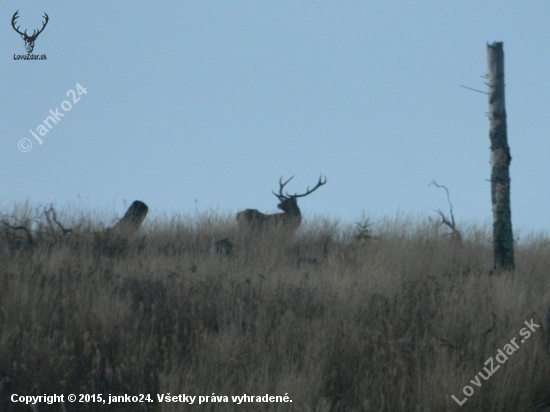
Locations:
column 29, row 40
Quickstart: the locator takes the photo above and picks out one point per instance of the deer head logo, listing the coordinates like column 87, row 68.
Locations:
column 29, row 40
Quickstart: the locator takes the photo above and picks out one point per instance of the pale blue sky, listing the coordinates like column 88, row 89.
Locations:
column 203, row 105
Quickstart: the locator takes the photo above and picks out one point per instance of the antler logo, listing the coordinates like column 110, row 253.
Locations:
column 29, row 40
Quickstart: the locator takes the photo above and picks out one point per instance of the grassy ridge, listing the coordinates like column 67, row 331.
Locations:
column 397, row 322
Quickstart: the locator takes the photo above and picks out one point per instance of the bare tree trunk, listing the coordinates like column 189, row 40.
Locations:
column 503, row 241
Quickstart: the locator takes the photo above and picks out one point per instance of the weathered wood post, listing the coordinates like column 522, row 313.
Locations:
column 132, row 219
column 503, row 241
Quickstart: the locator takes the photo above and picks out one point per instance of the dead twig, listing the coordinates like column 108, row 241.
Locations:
column 455, row 234
column 51, row 215
column 23, row 228
column 475, row 90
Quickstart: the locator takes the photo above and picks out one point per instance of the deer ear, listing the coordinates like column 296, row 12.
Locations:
column 23, row 36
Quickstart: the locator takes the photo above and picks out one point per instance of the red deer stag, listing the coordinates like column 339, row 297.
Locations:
column 288, row 221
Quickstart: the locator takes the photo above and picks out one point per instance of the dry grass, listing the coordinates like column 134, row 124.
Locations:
column 398, row 322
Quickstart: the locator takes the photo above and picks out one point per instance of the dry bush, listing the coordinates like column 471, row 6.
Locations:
column 396, row 322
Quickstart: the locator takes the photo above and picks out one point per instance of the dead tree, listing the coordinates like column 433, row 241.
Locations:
column 503, row 241
column 15, row 229
column 35, row 228
column 132, row 219
column 51, row 216
column 455, row 233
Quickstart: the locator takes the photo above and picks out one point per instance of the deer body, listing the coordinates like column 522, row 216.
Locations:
column 255, row 220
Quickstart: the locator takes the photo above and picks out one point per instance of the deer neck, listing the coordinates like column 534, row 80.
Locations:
column 293, row 214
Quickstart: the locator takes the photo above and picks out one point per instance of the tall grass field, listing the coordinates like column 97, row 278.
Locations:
column 396, row 317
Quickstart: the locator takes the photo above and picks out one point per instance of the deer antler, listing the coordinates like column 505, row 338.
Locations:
column 281, row 187
column 43, row 26
column 317, row 186
column 15, row 16
column 34, row 33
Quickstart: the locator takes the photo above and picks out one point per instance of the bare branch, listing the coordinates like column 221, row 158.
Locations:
column 29, row 236
column 444, row 221
column 51, row 211
column 448, row 198
column 475, row 90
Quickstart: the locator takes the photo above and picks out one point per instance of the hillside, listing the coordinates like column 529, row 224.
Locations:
column 400, row 320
